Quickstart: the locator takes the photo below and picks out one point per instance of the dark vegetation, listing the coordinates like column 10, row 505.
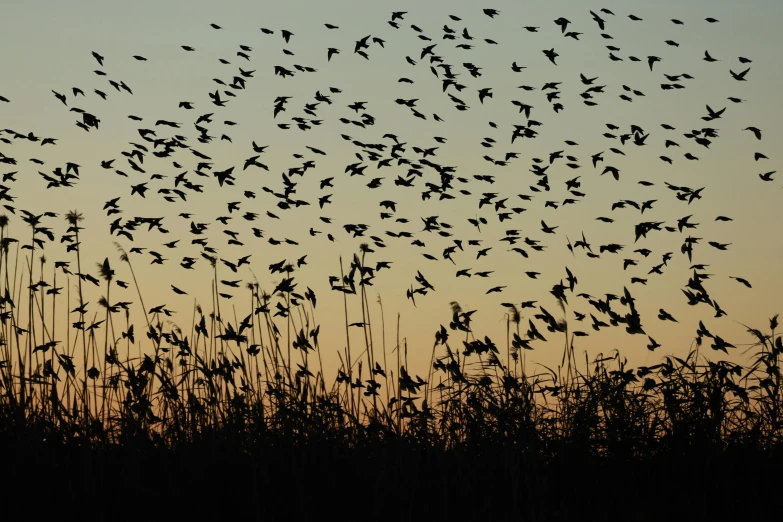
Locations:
column 235, row 418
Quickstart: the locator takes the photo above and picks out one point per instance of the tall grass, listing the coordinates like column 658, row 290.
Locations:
column 250, row 398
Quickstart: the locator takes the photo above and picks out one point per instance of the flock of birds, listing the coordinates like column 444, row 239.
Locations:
column 415, row 166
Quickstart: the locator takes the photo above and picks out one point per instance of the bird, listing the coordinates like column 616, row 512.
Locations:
column 742, row 280
column 184, row 163
column 551, row 55
column 756, row 132
column 139, row 189
column 740, row 76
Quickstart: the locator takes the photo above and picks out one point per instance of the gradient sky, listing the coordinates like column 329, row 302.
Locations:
column 47, row 47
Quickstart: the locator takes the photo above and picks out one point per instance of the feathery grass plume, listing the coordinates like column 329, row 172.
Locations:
column 182, row 394
column 73, row 218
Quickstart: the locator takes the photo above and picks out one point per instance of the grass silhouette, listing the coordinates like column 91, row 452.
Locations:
column 236, row 418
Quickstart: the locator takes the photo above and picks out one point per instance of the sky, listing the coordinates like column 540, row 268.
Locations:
column 48, row 48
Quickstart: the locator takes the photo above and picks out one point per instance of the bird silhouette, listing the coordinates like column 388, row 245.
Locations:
column 434, row 84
